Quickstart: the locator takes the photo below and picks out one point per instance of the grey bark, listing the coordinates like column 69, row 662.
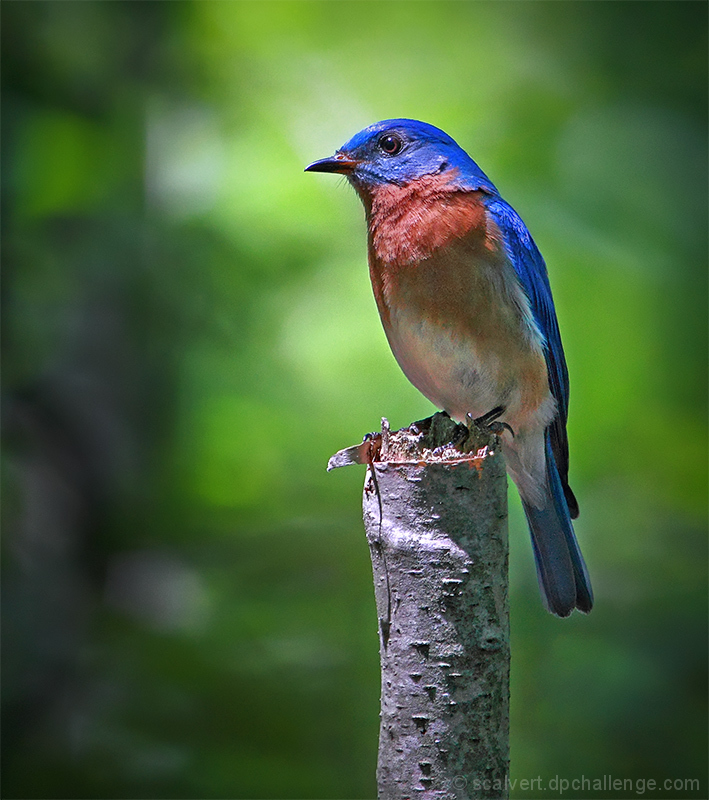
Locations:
column 438, row 539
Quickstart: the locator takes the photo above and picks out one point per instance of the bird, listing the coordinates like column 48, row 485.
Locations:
column 466, row 305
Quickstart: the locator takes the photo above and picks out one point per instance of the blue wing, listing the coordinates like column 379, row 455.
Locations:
column 532, row 273
column 561, row 569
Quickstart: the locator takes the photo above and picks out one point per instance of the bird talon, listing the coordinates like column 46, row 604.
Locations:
column 463, row 434
column 489, row 422
column 498, row 428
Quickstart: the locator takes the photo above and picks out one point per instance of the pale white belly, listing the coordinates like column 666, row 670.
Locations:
column 464, row 375
column 447, row 369
column 457, row 375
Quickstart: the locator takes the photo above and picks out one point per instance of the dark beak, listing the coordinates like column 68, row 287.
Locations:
column 338, row 163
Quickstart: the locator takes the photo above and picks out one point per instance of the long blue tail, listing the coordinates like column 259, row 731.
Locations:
column 562, row 573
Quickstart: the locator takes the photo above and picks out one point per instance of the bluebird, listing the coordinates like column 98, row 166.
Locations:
column 464, row 298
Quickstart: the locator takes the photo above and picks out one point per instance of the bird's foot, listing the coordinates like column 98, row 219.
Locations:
column 424, row 425
column 490, row 422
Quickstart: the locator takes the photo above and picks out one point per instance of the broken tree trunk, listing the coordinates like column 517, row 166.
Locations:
column 436, row 523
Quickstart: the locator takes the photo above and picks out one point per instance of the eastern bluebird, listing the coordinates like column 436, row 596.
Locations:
column 465, row 302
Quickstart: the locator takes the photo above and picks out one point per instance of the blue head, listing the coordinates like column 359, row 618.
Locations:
column 400, row 151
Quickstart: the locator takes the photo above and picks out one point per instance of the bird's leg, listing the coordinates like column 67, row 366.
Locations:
column 462, row 434
column 442, row 432
column 424, row 425
column 490, row 422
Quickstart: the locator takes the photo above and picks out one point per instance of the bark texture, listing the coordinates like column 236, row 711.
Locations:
column 438, row 539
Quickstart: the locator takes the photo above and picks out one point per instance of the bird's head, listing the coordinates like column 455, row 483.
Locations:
column 399, row 151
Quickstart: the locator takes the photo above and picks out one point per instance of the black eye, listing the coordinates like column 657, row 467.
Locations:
column 390, row 144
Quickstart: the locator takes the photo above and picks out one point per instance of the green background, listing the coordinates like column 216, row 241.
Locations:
column 189, row 334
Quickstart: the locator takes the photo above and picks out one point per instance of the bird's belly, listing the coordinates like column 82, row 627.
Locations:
column 448, row 369
column 464, row 373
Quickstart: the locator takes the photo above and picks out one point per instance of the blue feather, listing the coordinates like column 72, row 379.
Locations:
column 532, row 273
column 561, row 569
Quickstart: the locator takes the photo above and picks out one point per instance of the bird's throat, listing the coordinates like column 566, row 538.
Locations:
column 407, row 224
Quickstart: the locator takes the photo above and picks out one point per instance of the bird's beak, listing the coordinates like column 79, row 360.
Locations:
column 340, row 162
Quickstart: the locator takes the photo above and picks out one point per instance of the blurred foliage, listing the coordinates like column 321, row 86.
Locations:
column 189, row 333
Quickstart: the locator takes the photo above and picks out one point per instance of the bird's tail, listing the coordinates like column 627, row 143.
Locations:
column 562, row 573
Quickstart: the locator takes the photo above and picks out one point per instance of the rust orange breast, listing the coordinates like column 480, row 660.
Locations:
column 424, row 242
column 408, row 223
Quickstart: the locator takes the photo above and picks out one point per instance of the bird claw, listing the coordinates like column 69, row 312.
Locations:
column 424, row 425
column 489, row 422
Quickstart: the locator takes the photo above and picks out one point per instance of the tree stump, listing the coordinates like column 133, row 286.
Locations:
column 435, row 515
